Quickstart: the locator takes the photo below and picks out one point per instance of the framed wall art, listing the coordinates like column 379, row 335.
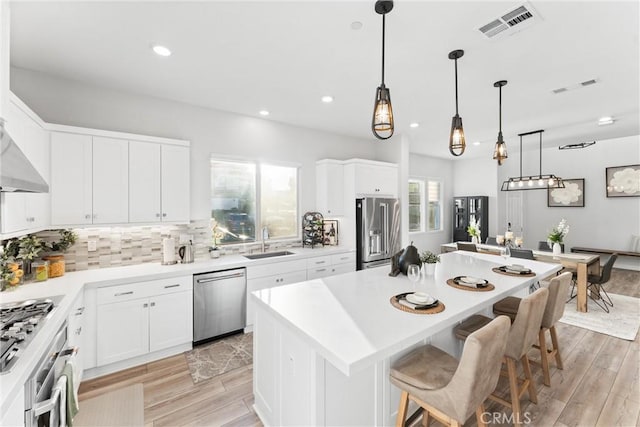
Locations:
column 623, row 181
column 572, row 195
column 330, row 232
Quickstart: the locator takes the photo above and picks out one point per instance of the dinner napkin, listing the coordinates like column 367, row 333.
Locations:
column 416, row 306
column 468, row 285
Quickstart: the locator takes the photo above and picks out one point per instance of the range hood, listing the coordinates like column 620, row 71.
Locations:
column 16, row 171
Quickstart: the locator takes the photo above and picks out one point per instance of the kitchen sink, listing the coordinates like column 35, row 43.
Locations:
column 268, row 255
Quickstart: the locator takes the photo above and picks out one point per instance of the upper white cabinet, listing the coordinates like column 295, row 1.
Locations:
column 158, row 182
column 89, row 179
column 26, row 211
column 374, row 178
column 330, row 187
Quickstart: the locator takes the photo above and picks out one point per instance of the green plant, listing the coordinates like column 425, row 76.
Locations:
column 429, row 257
column 474, row 228
column 67, row 239
column 29, row 247
column 558, row 233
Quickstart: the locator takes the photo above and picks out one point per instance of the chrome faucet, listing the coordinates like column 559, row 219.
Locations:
column 265, row 236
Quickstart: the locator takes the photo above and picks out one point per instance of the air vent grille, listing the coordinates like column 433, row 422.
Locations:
column 575, row 86
column 560, row 90
column 509, row 21
column 588, row 82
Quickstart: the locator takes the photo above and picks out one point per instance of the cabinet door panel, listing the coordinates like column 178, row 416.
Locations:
column 122, row 331
column 170, row 320
column 110, row 180
column 376, row 180
column 144, row 182
column 175, row 183
column 270, row 282
column 71, row 180
column 14, row 214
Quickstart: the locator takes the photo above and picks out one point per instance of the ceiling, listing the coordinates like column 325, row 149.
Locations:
column 244, row 56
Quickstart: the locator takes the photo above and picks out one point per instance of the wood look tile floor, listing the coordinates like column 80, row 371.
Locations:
column 599, row 386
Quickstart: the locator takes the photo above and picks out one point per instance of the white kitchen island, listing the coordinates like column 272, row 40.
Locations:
column 323, row 348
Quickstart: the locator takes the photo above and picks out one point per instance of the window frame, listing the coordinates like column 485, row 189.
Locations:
column 423, row 223
column 424, row 203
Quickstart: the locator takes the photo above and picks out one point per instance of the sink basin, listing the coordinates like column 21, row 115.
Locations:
column 268, row 255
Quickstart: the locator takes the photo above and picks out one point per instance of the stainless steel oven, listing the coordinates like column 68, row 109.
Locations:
column 45, row 403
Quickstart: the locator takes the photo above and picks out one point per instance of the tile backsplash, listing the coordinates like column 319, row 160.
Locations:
column 130, row 245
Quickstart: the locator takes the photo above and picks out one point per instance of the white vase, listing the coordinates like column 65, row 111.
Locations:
column 474, row 240
column 429, row 269
column 557, row 249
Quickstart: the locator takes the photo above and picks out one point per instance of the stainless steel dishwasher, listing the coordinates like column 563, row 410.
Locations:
column 219, row 303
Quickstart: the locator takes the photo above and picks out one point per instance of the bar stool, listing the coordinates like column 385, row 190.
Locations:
column 453, row 390
column 522, row 336
column 558, row 288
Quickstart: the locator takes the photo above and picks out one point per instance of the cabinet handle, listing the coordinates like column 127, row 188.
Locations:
column 344, row 258
column 87, row 216
column 79, row 330
column 164, row 214
column 320, row 262
column 79, row 311
column 320, row 270
column 153, row 304
column 95, row 216
column 172, row 286
column 145, row 305
column 157, row 215
column 119, row 294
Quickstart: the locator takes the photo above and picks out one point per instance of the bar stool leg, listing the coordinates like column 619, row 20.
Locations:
column 514, row 390
column 533, row 396
column 554, row 341
column 425, row 418
column 402, row 409
column 544, row 357
column 479, row 418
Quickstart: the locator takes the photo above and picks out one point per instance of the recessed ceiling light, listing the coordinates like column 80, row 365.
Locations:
column 161, row 50
column 327, row 99
column 356, row 25
column 476, row 143
column 605, row 121
column 264, row 113
column 414, row 125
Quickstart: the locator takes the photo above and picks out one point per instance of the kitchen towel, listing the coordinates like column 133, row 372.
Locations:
column 72, row 393
column 168, row 250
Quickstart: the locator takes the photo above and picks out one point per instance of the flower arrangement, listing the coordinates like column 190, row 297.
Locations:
column 558, row 233
column 217, row 233
column 474, row 229
column 29, row 247
column 428, row 257
column 67, row 239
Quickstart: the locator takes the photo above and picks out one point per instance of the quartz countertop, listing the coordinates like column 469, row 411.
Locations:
column 349, row 320
column 71, row 284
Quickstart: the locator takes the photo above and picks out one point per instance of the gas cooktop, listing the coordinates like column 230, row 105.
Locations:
column 19, row 323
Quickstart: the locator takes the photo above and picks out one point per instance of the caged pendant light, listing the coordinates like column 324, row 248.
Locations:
column 457, row 142
column 500, row 152
column 382, row 121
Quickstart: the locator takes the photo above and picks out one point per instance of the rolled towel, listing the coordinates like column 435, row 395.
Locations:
column 68, row 373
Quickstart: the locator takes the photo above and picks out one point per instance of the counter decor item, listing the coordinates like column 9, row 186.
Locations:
column 312, row 229
column 216, row 234
column 556, row 237
column 395, row 263
column 40, row 270
column 474, row 231
column 56, row 266
column 408, row 257
column 330, row 231
column 168, row 251
column 10, row 273
column 29, row 248
column 429, row 260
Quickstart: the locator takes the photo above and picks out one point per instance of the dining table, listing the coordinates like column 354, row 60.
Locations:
column 583, row 265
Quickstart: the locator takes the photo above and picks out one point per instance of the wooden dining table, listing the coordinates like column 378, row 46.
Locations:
column 583, row 264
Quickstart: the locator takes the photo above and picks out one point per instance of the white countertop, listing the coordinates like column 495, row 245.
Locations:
column 349, row 320
column 71, row 284
column 537, row 253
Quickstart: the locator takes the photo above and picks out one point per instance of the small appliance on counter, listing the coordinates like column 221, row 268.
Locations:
column 168, row 251
column 186, row 253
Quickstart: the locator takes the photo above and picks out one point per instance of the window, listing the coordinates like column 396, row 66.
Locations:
column 246, row 196
column 416, row 200
column 425, row 205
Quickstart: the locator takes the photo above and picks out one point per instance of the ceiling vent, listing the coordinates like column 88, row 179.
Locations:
column 510, row 22
column 575, row 86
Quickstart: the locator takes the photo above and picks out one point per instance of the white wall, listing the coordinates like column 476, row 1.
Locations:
column 478, row 177
column 603, row 222
column 68, row 102
column 434, row 168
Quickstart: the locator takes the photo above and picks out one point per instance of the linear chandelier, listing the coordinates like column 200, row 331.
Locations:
column 576, row 146
column 532, row 182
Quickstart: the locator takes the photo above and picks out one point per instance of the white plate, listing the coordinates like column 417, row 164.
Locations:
column 471, row 280
column 420, row 301
column 517, row 267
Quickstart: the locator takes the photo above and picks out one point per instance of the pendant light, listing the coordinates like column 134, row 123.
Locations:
column 500, row 153
column 532, row 182
column 457, row 142
column 382, row 121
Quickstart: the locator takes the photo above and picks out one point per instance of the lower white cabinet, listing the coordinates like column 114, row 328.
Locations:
column 331, row 265
column 75, row 329
column 139, row 318
column 284, row 278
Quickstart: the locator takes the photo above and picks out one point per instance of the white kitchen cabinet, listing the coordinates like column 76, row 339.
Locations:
column 139, row 318
column 75, row 330
column 375, row 179
column 158, row 182
column 110, row 187
column 283, row 278
column 330, row 265
column 330, row 187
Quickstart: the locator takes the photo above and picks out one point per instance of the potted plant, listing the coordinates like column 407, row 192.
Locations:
column 10, row 271
column 555, row 238
column 56, row 259
column 474, row 231
column 429, row 260
column 216, row 235
column 29, row 248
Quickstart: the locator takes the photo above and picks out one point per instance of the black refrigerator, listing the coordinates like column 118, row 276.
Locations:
column 377, row 231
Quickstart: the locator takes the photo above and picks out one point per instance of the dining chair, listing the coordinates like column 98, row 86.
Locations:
column 491, row 241
column 595, row 284
column 544, row 246
column 521, row 253
column 558, row 287
column 448, row 390
column 522, row 335
column 470, row 247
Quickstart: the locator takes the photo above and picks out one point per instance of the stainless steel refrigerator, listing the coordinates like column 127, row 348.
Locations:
column 377, row 231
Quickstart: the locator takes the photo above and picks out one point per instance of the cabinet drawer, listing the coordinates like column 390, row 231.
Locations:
column 343, row 268
column 347, row 258
column 316, row 273
column 171, row 285
column 274, row 268
column 122, row 293
column 319, row 261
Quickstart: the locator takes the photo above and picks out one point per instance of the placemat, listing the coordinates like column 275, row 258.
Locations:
column 487, row 288
column 437, row 309
column 506, row 273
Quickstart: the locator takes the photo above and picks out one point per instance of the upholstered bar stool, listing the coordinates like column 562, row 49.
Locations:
column 522, row 335
column 558, row 288
column 449, row 390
